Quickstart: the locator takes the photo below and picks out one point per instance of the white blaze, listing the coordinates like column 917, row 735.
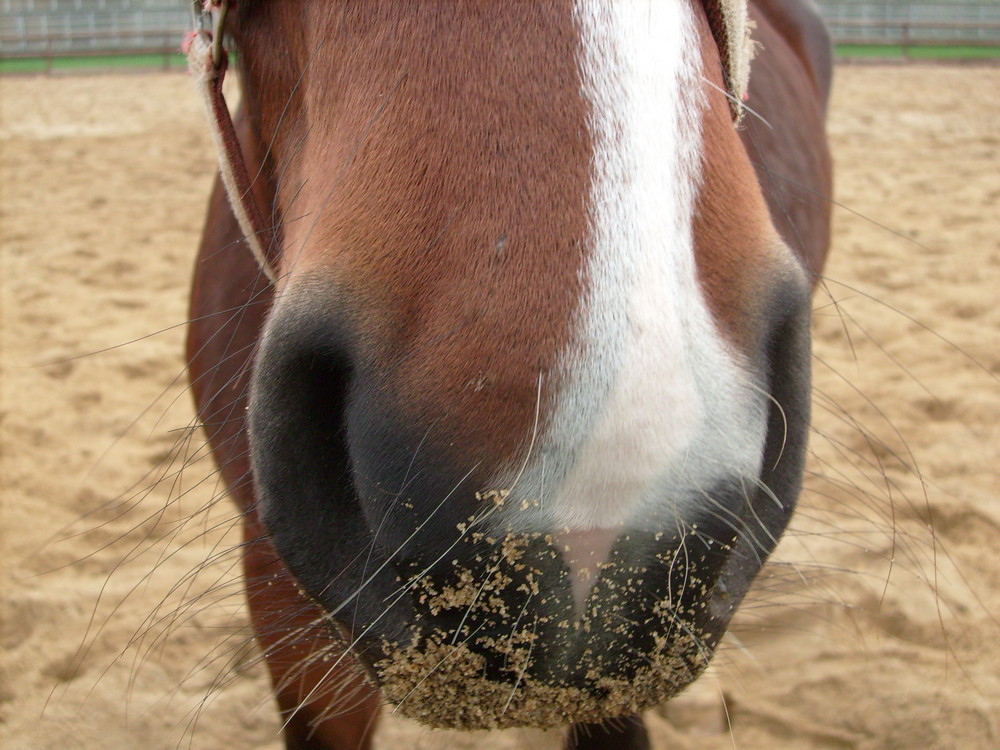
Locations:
column 655, row 406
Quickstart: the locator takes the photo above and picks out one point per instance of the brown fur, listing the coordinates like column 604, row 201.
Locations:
column 406, row 231
column 792, row 163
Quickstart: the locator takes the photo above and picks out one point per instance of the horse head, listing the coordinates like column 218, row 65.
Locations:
column 529, row 408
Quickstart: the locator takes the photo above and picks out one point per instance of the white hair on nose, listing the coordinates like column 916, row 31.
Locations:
column 655, row 406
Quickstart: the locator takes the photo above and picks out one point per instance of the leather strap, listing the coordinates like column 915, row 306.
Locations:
column 731, row 26
column 208, row 62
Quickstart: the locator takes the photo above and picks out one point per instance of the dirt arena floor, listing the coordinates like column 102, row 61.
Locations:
column 875, row 628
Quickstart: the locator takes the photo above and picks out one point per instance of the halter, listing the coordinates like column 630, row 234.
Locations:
column 208, row 62
column 731, row 27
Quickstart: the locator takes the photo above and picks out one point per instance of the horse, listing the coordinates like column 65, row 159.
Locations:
column 520, row 408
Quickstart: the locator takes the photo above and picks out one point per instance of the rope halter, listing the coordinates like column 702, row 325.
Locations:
column 208, row 62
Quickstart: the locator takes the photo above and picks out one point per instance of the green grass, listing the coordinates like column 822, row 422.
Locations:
column 919, row 52
column 878, row 51
column 83, row 63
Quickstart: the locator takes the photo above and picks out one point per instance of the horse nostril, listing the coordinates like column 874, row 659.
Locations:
column 787, row 350
column 302, row 470
column 297, row 396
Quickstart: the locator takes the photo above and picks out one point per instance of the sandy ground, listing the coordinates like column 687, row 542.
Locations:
column 876, row 628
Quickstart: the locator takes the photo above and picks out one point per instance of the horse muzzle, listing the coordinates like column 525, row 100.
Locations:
column 465, row 616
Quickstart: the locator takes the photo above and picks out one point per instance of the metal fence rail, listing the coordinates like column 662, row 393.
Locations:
column 54, row 28
column 93, row 44
column 70, row 27
column 915, row 33
column 897, row 22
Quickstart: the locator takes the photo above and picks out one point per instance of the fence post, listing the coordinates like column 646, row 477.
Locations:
column 906, row 40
